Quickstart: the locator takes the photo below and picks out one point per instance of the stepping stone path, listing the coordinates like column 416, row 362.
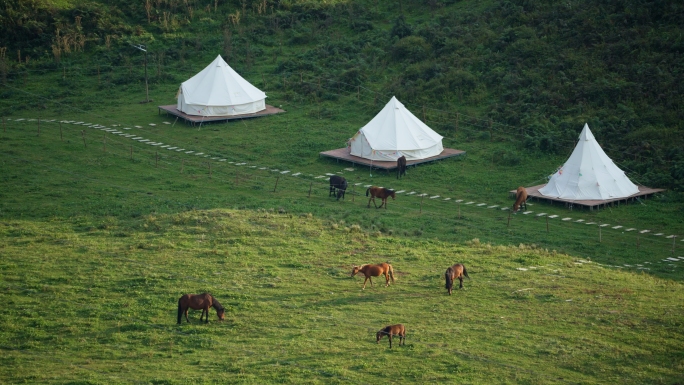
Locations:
column 541, row 214
column 459, row 201
column 590, row 223
column 630, row 229
column 566, row 219
column 644, row 231
column 433, row 197
column 284, row 172
column 616, row 227
column 491, row 207
column 411, row 193
column 480, row 204
column 604, row 225
column 553, row 216
column 470, row 203
column 528, row 212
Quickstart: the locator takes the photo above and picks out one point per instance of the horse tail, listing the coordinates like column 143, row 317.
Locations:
column 391, row 272
column 367, row 191
column 465, row 273
column 449, row 281
column 180, row 311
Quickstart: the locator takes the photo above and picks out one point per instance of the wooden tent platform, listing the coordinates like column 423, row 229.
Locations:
column 345, row 154
column 194, row 119
column 644, row 192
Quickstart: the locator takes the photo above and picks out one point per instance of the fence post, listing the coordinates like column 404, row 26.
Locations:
column 637, row 233
column 310, row 185
column 547, row 223
column 599, row 232
column 673, row 243
column 83, row 135
column 61, row 137
column 421, row 204
column 276, row 184
column 352, row 193
column 456, row 130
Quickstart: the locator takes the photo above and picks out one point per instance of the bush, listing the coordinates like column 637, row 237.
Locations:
column 411, row 48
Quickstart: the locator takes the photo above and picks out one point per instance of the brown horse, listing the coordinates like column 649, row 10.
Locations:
column 199, row 301
column 401, row 166
column 374, row 271
column 380, row 192
column 520, row 199
column 392, row 330
column 456, row 271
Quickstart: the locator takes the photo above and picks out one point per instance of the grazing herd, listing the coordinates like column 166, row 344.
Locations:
column 205, row 300
column 338, row 188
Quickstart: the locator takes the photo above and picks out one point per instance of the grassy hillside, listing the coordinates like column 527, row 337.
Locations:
column 100, row 234
column 534, row 71
column 93, row 300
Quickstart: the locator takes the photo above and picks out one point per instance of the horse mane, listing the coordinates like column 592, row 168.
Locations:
column 215, row 303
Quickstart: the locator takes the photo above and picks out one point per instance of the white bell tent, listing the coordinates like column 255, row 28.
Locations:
column 218, row 90
column 589, row 174
column 394, row 132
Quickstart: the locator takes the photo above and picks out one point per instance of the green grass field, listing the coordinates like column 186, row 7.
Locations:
column 95, row 302
column 101, row 234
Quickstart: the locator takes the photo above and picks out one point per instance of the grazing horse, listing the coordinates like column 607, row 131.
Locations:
column 456, row 271
column 380, row 192
column 520, row 199
column 337, row 183
column 401, row 166
column 374, row 271
column 199, row 301
column 392, row 330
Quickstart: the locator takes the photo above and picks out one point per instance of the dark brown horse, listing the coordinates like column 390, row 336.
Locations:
column 199, row 301
column 392, row 330
column 456, row 271
column 380, row 192
column 401, row 166
column 520, row 199
column 374, row 271
column 338, row 186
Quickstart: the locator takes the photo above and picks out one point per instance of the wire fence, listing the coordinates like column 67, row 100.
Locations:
column 470, row 217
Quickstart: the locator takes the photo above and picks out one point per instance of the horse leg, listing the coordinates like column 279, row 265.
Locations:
column 371, row 280
column 369, row 201
column 390, row 339
column 460, row 282
column 386, row 279
column 364, row 283
column 186, row 315
column 206, row 318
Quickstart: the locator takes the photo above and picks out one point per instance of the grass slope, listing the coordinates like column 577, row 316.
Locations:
column 95, row 302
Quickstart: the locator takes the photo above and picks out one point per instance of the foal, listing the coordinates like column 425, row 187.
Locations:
column 382, row 193
column 392, row 330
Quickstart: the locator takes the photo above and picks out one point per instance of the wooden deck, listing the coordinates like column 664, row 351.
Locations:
column 644, row 192
column 345, row 154
column 194, row 119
